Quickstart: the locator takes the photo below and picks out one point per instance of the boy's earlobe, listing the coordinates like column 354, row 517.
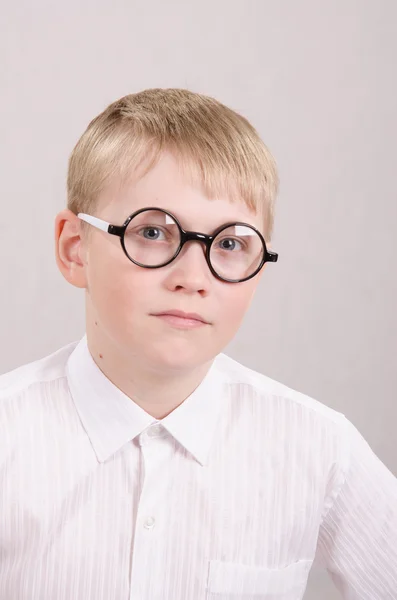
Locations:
column 68, row 248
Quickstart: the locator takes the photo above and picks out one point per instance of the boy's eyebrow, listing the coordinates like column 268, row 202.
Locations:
column 183, row 221
column 219, row 224
column 212, row 230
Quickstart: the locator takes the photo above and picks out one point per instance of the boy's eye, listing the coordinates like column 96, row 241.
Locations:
column 230, row 244
column 151, row 233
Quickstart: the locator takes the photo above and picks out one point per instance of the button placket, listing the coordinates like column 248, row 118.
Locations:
column 150, row 525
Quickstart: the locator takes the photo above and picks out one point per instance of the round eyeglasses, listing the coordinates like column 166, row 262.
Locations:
column 153, row 238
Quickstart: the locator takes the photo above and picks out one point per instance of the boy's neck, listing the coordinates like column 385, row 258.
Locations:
column 156, row 392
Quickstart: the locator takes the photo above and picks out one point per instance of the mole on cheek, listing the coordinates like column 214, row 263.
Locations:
column 100, row 356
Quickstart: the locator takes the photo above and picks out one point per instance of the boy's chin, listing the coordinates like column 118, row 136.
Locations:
column 178, row 359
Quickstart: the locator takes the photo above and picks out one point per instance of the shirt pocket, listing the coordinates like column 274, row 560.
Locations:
column 232, row 581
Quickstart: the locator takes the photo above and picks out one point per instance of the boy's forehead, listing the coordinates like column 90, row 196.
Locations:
column 177, row 194
column 192, row 212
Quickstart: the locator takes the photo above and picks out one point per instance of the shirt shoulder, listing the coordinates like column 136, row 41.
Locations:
column 44, row 370
column 262, row 386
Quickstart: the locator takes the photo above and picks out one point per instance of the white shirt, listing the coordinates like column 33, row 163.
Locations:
column 233, row 495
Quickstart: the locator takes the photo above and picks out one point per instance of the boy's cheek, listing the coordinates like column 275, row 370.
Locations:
column 239, row 302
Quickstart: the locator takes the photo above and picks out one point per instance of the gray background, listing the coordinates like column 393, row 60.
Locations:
column 318, row 80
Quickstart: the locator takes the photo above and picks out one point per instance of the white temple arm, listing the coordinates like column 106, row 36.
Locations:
column 98, row 223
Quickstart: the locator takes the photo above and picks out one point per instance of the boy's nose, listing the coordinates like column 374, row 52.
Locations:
column 190, row 271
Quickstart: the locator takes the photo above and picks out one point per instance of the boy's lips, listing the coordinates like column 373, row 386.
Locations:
column 179, row 314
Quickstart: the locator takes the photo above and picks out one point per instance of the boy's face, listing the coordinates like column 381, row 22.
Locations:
column 123, row 299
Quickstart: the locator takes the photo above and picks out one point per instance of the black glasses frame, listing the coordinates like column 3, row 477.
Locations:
column 192, row 236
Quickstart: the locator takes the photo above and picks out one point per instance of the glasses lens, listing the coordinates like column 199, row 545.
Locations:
column 152, row 238
column 236, row 252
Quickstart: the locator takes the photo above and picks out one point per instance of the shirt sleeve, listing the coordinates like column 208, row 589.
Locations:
column 357, row 540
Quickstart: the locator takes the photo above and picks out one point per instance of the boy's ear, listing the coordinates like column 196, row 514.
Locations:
column 69, row 251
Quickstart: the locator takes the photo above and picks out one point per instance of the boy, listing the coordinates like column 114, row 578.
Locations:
column 142, row 463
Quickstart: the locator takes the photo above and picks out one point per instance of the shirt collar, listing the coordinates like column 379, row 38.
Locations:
column 111, row 419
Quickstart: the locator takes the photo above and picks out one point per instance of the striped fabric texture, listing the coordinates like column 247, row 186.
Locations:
column 233, row 495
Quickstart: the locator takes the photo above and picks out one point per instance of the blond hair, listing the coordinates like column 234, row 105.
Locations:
column 218, row 148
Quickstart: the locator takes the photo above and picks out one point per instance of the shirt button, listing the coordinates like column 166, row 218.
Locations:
column 154, row 430
column 149, row 523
